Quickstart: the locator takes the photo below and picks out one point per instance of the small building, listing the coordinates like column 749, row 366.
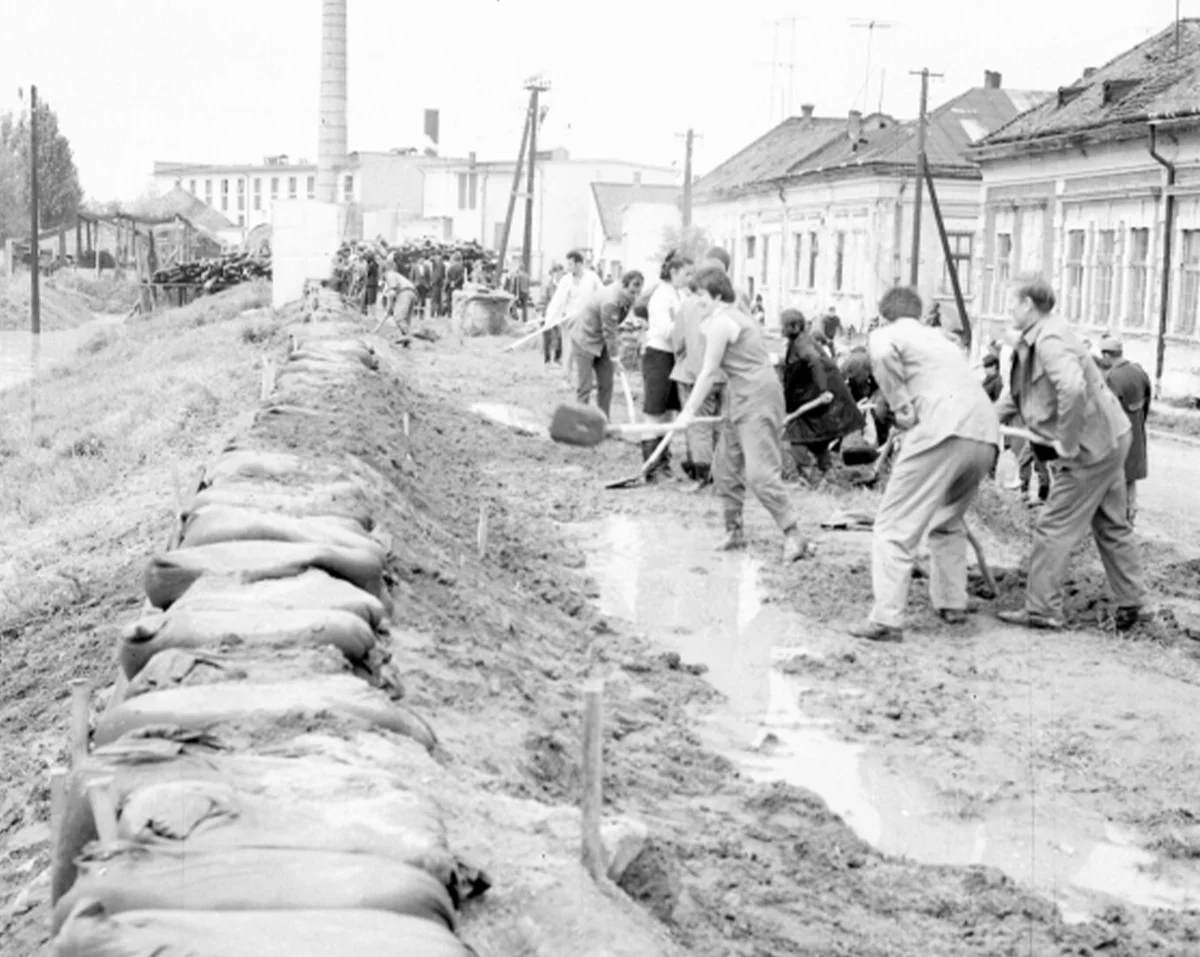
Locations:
column 818, row 213
column 1099, row 189
column 627, row 225
column 475, row 196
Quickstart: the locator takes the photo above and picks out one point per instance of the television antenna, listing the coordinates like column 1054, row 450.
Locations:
column 870, row 26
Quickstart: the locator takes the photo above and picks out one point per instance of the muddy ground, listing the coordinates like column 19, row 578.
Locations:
column 496, row 649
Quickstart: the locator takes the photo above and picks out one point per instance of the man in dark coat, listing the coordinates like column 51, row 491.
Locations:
column 856, row 370
column 1131, row 386
column 810, row 374
column 993, row 384
column 437, row 282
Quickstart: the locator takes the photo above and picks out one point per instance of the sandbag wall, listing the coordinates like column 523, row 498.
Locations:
column 250, row 791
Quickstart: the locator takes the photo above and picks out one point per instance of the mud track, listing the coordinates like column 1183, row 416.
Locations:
column 497, row 650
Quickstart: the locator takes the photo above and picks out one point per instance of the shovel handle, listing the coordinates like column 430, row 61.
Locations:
column 658, row 453
column 807, row 407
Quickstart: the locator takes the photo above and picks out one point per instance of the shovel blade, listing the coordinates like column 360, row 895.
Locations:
column 582, row 425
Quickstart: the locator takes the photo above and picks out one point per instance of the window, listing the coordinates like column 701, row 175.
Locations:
column 813, row 253
column 291, row 187
column 274, row 188
column 750, row 242
column 468, row 185
column 797, row 257
column 1102, row 280
column 1139, row 278
column 241, row 191
column 208, row 191
column 192, row 187
column 241, row 217
column 224, row 187
column 1189, row 287
column 962, row 246
column 1001, row 272
column 766, row 257
column 310, row 185
column 258, row 192
column 839, row 262
column 224, row 195
column 348, row 188
column 1073, row 274
column 241, row 187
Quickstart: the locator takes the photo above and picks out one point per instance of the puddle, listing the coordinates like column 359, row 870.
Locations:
column 53, row 348
column 512, row 417
column 711, row 609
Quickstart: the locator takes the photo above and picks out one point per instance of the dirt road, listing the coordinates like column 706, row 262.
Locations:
column 781, row 769
column 1168, row 506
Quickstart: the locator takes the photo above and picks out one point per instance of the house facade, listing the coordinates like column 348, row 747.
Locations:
column 475, row 197
column 819, row 212
column 1098, row 189
column 627, row 226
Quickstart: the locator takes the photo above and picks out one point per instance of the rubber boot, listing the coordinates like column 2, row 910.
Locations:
column 663, row 467
column 703, row 473
column 735, row 534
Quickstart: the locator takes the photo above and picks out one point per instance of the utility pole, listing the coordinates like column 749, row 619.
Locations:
column 512, row 196
column 536, row 86
column 918, row 195
column 689, row 137
column 35, row 251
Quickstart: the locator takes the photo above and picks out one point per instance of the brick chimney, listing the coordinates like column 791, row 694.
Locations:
column 854, row 125
column 991, row 80
column 806, row 111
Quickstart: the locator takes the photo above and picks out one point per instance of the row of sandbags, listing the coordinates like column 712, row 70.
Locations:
column 261, row 763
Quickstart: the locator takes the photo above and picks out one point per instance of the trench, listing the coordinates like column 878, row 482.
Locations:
column 54, row 347
column 666, row 580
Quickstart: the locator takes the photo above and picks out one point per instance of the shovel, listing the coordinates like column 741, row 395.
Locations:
column 649, row 464
column 807, row 407
column 587, row 426
column 628, row 393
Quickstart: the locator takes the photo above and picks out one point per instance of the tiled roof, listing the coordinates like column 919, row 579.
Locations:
column 801, row 147
column 1146, row 82
column 772, row 154
column 612, row 198
column 179, row 202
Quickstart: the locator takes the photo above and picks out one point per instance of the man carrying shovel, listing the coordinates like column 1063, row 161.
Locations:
column 400, row 298
column 595, row 339
column 952, row 438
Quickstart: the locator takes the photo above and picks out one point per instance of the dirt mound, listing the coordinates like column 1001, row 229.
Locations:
column 60, row 309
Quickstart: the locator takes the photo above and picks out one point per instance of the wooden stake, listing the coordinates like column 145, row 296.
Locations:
column 593, row 778
column 81, row 695
column 58, row 808
column 483, row 529
column 268, row 379
column 120, row 690
column 104, row 809
column 406, row 425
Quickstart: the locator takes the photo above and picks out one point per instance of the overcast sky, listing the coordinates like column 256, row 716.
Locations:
column 235, row 80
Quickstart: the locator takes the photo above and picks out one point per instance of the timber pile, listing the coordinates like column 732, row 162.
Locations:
column 252, row 787
column 213, row 275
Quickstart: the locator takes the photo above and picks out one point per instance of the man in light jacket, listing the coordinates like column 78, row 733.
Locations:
column 1056, row 390
column 951, row 441
column 596, row 339
column 573, row 290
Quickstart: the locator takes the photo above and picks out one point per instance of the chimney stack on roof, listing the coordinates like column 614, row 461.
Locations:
column 806, row 111
column 991, row 80
column 1089, row 72
column 854, row 125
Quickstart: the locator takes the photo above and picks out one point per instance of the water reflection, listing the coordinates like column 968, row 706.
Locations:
column 668, row 581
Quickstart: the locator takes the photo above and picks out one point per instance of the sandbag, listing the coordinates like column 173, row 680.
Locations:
column 312, row 589
column 253, row 704
column 169, row 574
column 253, row 627
column 143, row 759
column 142, row 877
column 216, row 523
column 249, row 464
column 212, row 815
column 316, row 352
column 92, row 932
column 342, row 499
column 345, row 366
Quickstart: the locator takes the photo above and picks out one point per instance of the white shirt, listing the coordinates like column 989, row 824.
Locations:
column 571, row 295
column 662, row 309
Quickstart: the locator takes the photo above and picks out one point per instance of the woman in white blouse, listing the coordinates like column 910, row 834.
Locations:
column 660, row 397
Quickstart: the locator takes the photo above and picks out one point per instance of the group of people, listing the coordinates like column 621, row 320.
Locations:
column 705, row 351
column 1054, row 389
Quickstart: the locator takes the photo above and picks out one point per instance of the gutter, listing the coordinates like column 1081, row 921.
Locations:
column 1164, row 298
column 1068, row 138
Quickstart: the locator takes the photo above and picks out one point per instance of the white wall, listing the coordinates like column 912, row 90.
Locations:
column 1109, row 191
column 305, row 239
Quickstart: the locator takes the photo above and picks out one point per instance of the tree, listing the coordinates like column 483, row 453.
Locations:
column 691, row 241
column 59, row 192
